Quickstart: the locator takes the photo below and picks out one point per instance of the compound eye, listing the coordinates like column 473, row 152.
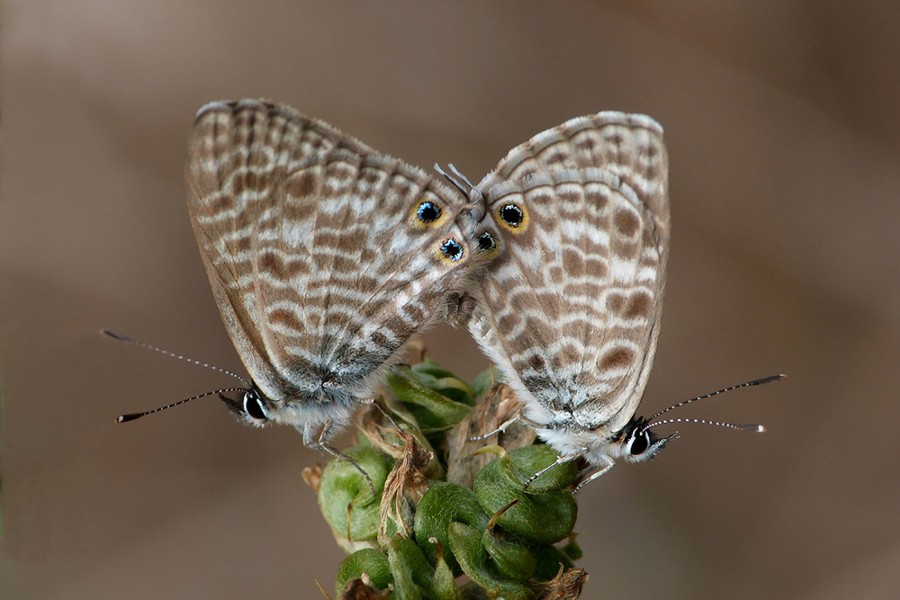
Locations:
column 253, row 406
column 640, row 443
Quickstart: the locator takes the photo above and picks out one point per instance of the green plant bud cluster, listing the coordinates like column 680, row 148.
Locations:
column 451, row 518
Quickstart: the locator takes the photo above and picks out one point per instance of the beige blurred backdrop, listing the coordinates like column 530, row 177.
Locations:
column 783, row 130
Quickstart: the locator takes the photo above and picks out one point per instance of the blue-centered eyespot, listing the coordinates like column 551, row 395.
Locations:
column 452, row 249
column 428, row 212
column 512, row 215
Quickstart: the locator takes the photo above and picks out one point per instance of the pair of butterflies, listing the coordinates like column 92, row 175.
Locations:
column 326, row 257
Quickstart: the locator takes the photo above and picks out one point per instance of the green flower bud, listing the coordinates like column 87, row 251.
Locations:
column 346, row 500
column 467, row 546
column 513, row 561
column 442, row 504
column 539, row 518
column 433, row 410
column 422, row 531
column 368, row 561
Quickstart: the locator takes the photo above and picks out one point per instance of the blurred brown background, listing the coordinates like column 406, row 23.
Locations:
column 783, row 129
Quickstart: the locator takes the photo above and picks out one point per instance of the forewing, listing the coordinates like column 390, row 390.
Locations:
column 629, row 146
column 319, row 262
column 570, row 307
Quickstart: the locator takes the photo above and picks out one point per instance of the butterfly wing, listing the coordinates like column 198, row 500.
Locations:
column 321, row 257
column 570, row 307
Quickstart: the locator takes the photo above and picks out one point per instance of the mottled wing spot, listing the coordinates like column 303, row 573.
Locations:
column 381, row 340
column 536, row 362
column 614, row 302
column 221, row 204
column 572, row 262
column 597, row 196
column 619, row 358
column 270, row 263
column 639, row 305
column 508, row 322
column 301, row 184
column 286, row 319
column 626, row 223
column 596, row 267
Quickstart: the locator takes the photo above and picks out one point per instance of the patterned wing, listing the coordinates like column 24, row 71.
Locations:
column 570, row 307
column 324, row 256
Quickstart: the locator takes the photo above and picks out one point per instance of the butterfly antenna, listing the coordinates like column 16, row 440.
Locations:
column 736, row 426
column 128, row 340
column 453, row 180
column 652, row 422
column 138, row 415
column 475, row 208
column 460, row 182
column 457, row 173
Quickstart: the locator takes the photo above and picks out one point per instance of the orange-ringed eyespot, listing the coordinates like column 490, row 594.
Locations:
column 486, row 242
column 428, row 212
column 452, row 249
column 512, row 215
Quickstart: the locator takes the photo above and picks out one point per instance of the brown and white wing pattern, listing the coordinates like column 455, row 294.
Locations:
column 324, row 256
column 570, row 307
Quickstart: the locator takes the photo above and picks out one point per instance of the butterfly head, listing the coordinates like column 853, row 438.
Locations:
column 250, row 407
column 637, row 442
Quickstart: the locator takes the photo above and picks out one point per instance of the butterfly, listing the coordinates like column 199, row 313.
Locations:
column 325, row 257
column 569, row 308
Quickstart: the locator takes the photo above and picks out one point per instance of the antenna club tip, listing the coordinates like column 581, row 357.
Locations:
column 760, row 429
column 769, row 379
column 115, row 336
column 129, row 417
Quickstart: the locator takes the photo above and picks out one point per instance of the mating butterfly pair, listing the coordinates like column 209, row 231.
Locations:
column 325, row 257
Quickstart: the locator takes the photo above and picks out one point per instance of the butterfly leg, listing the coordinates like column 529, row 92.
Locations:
column 385, row 414
column 560, row 460
column 317, row 442
column 505, row 425
column 596, row 474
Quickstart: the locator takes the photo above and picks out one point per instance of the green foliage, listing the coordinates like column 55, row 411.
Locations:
column 421, row 532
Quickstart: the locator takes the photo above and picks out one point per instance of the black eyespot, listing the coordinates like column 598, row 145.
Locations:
column 428, row 212
column 253, row 405
column 452, row 249
column 512, row 215
column 640, row 443
column 486, row 242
